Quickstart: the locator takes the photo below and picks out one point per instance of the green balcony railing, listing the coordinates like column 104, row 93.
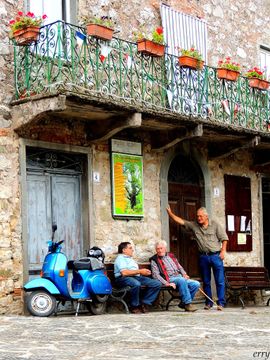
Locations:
column 59, row 60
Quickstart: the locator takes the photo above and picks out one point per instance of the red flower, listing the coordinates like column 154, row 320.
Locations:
column 44, row 17
column 12, row 22
column 20, row 13
column 159, row 30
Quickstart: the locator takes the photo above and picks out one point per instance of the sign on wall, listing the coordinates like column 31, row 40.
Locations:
column 127, row 185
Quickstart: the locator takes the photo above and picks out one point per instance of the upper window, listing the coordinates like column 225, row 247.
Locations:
column 265, row 60
column 54, row 9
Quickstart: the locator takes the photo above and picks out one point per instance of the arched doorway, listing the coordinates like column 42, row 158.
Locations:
column 185, row 196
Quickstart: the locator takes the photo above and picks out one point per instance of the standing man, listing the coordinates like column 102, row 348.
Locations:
column 212, row 242
column 127, row 273
column 166, row 268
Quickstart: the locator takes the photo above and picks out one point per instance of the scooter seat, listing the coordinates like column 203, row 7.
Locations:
column 88, row 264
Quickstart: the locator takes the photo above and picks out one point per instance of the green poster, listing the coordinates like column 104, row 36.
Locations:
column 127, row 185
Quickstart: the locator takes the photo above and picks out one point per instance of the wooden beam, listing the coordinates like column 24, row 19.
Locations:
column 229, row 150
column 133, row 121
column 174, row 138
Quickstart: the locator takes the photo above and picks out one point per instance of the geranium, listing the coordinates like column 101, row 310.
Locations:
column 22, row 21
column 192, row 52
column 255, row 73
column 156, row 35
column 228, row 64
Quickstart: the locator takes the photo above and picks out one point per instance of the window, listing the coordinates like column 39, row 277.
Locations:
column 265, row 60
column 54, row 9
column 238, row 213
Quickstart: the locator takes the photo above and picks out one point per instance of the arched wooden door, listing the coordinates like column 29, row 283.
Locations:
column 185, row 185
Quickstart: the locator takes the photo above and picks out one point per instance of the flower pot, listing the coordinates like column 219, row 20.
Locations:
column 99, row 31
column 150, row 48
column 227, row 74
column 190, row 62
column 26, row 36
column 258, row 83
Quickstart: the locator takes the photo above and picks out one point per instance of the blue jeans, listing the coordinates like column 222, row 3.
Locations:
column 187, row 288
column 208, row 262
column 148, row 295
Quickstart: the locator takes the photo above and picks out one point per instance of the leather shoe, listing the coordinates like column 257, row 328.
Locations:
column 145, row 308
column 135, row 310
column 190, row 308
column 219, row 307
column 181, row 305
column 207, row 307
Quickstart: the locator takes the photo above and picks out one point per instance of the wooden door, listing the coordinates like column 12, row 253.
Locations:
column 53, row 198
column 184, row 201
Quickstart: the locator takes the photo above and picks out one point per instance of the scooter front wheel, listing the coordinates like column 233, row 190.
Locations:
column 96, row 308
column 41, row 303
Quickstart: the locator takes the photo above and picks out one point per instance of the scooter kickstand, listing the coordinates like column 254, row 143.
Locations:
column 78, row 307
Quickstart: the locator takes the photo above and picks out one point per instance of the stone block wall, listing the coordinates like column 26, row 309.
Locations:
column 236, row 29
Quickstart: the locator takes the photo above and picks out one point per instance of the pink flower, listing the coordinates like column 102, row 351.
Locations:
column 12, row 22
column 20, row 13
column 44, row 17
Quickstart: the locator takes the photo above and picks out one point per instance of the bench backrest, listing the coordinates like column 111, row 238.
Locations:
column 255, row 277
column 110, row 269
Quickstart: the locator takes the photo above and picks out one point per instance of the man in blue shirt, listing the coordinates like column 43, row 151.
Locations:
column 127, row 273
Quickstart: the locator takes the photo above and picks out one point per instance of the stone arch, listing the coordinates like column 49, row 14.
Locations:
column 197, row 157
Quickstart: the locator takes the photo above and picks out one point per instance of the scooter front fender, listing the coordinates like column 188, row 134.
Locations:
column 41, row 284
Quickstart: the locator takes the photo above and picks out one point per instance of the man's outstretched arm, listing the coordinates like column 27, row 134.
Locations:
column 177, row 219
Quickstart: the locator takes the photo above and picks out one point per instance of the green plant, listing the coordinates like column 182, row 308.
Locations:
column 99, row 20
column 255, row 73
column 228, row 64
column 156, row 35
column 22, row 21
column 192, row 52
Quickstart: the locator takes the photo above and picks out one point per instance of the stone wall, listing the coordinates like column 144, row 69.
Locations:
column 235, row 29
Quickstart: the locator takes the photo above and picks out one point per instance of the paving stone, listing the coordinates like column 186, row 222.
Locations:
column 231, row 334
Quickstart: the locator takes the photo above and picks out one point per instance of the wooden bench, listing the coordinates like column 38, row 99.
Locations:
column 241, row 279
column 120, row 294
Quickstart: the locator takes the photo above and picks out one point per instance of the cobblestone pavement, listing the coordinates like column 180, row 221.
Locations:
column 231, row 334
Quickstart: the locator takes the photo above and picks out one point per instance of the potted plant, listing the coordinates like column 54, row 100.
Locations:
column 228, row 70
column 25, row 27
column 153, row 45
column 257, row 79
column 191, row 58
column 100, row 27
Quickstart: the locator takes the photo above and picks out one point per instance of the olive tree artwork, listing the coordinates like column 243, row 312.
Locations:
column 127, row 181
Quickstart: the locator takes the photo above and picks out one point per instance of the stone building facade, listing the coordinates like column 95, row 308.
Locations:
column 57, row 123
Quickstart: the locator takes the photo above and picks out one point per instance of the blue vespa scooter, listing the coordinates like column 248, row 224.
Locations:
column 89, row 284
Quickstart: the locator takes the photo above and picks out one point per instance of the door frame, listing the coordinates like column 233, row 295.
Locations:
column 186, row 150
column 87, row 198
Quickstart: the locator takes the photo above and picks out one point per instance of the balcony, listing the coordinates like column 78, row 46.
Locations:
column 114, row 77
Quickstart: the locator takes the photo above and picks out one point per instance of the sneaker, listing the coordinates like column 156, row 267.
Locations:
column 207, row 307
column 219, row 307
column 190, row 308
column 135, row 310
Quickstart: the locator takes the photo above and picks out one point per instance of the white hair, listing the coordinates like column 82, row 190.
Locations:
column 204, row 210
column 162, row 243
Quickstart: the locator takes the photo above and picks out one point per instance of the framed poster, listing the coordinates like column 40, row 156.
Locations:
column 127, row 186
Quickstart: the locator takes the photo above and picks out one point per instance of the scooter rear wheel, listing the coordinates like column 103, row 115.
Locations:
column 41, row 303
column 96, row 308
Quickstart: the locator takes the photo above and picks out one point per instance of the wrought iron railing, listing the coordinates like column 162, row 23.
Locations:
column 60, row 60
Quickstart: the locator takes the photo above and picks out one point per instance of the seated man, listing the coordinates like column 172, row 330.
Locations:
column 169, row 272
column 127, row 273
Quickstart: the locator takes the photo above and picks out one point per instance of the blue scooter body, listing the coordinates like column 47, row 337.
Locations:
column 54, row 280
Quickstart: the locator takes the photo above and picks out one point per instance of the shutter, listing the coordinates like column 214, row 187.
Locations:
column 183, row 31
column 238, row 204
